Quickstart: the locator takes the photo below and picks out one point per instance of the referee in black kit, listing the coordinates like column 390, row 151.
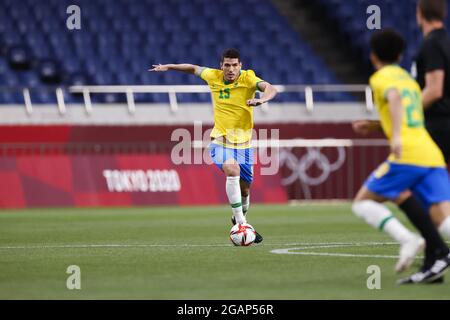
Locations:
column 433, row 71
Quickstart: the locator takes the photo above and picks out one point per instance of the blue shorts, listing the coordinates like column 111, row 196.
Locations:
column 244, row 157
column 430, row 185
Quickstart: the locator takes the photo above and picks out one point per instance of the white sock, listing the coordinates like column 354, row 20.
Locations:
column 233, row 189
column 245, row 203
column 379, row 216
column 444, row 228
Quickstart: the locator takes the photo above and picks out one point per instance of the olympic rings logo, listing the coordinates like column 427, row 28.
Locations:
column 299, row 166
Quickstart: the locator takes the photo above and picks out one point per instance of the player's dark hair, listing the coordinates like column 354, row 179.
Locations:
column 231, row 53
column 387, row 45
column 433, row 10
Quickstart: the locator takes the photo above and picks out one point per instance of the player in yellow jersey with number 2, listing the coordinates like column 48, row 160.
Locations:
column 415, row 164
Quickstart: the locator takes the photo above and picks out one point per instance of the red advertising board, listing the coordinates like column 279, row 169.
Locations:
column 74, row 165
column 65, row 180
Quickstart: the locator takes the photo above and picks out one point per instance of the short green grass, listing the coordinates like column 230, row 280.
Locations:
column 184, row 253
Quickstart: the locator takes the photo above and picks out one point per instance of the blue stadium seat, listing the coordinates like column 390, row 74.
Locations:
column 42, row 97
column 119, row 41
column 8, row 97
column 400, row 14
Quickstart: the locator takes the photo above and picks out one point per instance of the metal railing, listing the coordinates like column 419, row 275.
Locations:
column 171, row 91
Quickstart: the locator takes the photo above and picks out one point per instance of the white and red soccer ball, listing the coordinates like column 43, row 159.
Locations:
column 242, row 234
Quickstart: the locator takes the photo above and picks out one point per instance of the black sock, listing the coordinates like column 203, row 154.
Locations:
column 435, row 246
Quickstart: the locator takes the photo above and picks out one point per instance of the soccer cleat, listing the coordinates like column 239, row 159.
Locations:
column 437, row 280
column 408, row 252
column 421, row 277
column 438, row 269
column 433, row 275
column 233, row 219
column 414, row 278
column 258, row 238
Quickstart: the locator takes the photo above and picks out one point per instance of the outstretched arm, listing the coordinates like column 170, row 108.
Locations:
column 269, row 93
column 184, row 67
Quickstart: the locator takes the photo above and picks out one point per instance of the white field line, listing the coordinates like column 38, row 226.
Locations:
column 299, row 246
column 350, row 255
column 118, row 245
column 327, row 254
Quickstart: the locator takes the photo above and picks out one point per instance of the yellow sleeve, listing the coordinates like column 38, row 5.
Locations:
column 207, row 74
column 253, row 80
column 381, row 87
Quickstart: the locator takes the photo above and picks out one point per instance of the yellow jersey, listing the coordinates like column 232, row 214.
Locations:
column 418, row 148
column 233, row 118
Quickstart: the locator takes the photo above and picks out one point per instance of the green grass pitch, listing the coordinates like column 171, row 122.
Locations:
column 185, row 253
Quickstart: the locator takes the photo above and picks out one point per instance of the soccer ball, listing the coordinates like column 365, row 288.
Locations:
column 242, row 234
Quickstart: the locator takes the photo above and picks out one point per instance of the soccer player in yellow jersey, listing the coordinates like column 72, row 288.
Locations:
column 233, row 91
column 415, row 162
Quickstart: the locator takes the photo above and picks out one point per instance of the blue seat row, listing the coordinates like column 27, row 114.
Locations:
column 119, row 40
column 352, row 16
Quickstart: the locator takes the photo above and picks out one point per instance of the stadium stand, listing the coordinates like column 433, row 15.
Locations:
column 398, row 14
column 118, row 45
